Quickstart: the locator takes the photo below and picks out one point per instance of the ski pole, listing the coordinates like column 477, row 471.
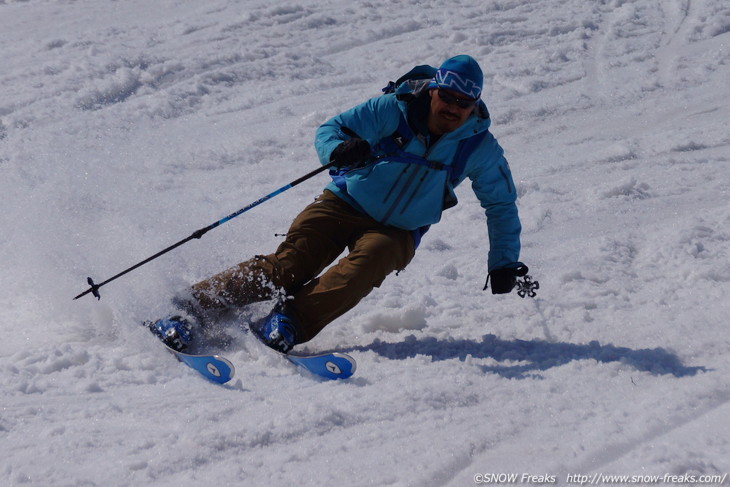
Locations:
column 94, row 289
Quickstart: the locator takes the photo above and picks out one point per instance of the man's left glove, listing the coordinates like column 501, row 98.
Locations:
column 504, row 279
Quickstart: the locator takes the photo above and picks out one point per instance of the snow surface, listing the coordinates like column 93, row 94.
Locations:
column 127, row 125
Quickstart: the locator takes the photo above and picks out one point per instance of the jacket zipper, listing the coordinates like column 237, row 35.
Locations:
column 402, row 193
column 395, row 184
column 413, row 194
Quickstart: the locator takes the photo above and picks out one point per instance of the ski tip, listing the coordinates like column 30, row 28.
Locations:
column 213, row 367
column 330, row 366
column 344, row 356
column 221, row 370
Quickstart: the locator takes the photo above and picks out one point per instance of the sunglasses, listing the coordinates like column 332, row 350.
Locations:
column 450, row 99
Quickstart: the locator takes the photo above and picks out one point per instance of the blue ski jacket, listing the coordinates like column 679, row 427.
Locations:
column 410, row 187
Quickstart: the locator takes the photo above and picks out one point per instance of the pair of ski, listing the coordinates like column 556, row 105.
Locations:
column 218, row 369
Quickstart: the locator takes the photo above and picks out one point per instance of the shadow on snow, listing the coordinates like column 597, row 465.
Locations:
column 539, row 355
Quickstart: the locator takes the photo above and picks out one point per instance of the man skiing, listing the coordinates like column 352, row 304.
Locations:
column 398, row 158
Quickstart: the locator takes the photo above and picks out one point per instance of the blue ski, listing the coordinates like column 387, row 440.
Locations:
column 329, row 365
column 326, row 365
column 332, row 365
column 213, row 367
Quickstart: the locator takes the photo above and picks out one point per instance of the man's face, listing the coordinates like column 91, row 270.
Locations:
column 446, row 115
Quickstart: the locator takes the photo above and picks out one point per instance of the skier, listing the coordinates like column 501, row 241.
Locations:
column 397, row 157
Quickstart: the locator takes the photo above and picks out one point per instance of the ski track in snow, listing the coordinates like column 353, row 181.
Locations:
column 125, row 126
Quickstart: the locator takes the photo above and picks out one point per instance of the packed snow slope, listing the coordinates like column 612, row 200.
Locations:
column 127, row 125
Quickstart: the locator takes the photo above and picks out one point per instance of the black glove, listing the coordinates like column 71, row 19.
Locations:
column 351, row 153
column 504, row 279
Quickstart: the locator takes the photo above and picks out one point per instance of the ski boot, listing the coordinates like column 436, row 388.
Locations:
column 175, row 331
column 278, row 331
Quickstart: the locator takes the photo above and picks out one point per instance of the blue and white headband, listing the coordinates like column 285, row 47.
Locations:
column 454, row 81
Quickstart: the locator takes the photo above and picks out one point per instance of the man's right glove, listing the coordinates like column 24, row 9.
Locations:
column 350, row 153
column 504, row 279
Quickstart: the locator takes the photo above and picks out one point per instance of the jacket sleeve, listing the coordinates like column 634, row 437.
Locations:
column 493, row 185
column 371, row 121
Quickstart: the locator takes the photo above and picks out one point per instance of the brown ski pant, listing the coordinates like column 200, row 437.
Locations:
column 318, row 235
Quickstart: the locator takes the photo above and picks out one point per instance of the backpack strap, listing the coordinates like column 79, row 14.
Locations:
column 397, row 140
column 463, row 151
column 394, row 143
